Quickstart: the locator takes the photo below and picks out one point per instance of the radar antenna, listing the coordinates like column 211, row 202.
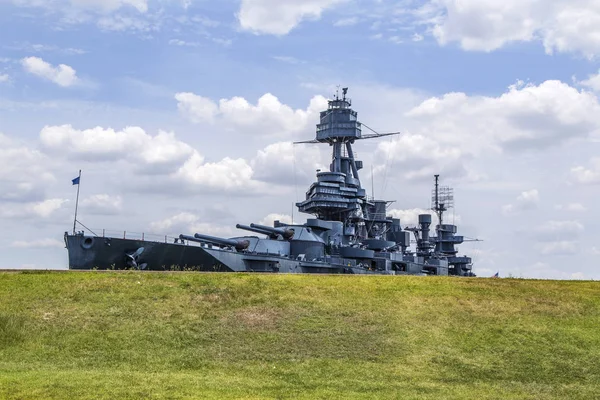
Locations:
column 442, row 198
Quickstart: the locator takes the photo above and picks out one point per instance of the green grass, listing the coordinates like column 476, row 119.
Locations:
column 110, row 335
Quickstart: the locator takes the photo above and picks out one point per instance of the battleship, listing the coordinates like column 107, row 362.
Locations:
column 350, row 232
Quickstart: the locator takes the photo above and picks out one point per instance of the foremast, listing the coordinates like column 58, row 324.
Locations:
column 337, row 195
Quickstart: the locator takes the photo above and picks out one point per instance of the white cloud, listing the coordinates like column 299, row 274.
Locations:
column 571, row 207
column 288, row 59
column 183, row 43
column 38, row 243
column 558, row 237
column 94, row 5
column 416, row 37
column 278, row 17
column 286, row 163
column 410, row 217
column 270, row 219
column 25, row 173
column 196, row 108
column 47, row 207
column 122, row 23
column 487, row 25
column 111, row 5
column 42, row 48
column 103, row 204
column 593, row 82
column 227, row 175
column 63, row 75
column 268, row 117
column 525, row 117
column 417, row 157
column 222, row 42
column 189, row 223
column 177, row 223
column 587, row 176
column 4, row 78
column 527, row 200
column 346, row 22
column 132, row 143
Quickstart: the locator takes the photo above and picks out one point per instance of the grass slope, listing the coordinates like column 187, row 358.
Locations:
column 98, row 335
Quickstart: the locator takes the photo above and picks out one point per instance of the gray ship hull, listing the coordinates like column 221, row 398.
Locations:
column 90, row 252
column 106, row 253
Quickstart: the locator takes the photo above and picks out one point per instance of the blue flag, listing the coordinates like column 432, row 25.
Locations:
column 75, row 181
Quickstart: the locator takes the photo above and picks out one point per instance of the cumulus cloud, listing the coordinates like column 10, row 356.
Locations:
column 416, row 157
column 527, row 200
column 269, row 116
column 592, row 82
column 163, row 151
column 280, row 17
column 226, row 175
column 190, row 223
column 177, row 223
column 102, row 204
column 587, row 175
column 487, row 25
column 4, row 78
column 25, row 173
column 196, row 108
column 525, row 117
column 63, row 75
column 285, row 163
column 47, row 207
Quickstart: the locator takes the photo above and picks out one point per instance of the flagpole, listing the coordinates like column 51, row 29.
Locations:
column 77, row 201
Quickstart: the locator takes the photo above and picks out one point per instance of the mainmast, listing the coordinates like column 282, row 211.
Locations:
column 442, row 198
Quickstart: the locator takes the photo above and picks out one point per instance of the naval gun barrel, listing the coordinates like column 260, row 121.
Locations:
column 238, row 244
column 285, row 232
column 251, row 229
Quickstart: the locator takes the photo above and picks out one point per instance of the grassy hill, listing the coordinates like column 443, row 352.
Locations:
column 109, row 335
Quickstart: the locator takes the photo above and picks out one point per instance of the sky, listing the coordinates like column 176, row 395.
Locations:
column 181, row 115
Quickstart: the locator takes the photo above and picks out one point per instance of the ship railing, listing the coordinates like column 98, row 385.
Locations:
column 132, row 235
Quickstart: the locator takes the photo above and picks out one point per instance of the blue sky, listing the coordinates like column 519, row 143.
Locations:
column 158, row 103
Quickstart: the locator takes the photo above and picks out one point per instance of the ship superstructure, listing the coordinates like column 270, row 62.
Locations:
column 350, row 232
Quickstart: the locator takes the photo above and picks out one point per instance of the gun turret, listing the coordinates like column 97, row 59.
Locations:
column 237, row 244
column 286, row 233
column 251, row 229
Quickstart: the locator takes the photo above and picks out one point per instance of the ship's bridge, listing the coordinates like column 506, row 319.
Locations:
column 339, row 122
